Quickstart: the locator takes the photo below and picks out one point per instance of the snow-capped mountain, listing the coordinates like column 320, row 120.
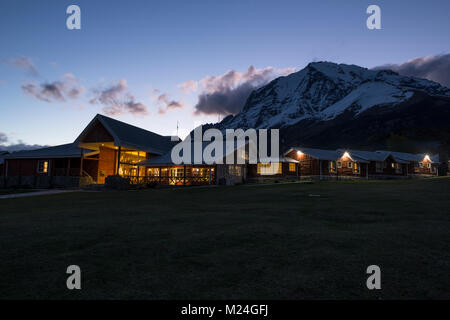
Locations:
column 323, row 91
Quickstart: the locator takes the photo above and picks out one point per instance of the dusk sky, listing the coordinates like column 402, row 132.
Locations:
column 148, row 62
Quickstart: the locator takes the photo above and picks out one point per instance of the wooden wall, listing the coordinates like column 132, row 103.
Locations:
column 106, row 163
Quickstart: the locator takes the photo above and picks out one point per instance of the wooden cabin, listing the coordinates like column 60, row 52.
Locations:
column 120, row 147
column 418, row 164
column 314, row 163
column 370, row 164
column 105, row 147
column 52, row 166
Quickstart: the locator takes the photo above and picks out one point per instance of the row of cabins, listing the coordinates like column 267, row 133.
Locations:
column 108, row 147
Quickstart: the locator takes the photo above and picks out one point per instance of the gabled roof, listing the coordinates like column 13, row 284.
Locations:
column 435, row 158
column 127, row 135
column 69, row 150
column 366, row 156
column 318, row 153
column 404, row 156
column 411, row 157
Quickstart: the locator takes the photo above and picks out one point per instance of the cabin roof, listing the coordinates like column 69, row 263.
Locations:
column 367, row 155
column 69, row 150
column 127, row 135
column 411, row 156
column 320, row 154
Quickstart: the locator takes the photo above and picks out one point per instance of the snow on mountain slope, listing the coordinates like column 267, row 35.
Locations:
column 322, row 91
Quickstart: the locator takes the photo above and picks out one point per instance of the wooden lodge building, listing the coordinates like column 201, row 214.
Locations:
column 108, row 147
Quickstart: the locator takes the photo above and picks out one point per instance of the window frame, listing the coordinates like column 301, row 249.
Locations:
column 292, row 167
column 45, row 169
column 356, row 168
column 379, row 166
column 331, row 166
column 261, row 168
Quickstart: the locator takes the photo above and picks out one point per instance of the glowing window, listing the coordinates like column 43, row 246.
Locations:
column 269, row 168
column 332, row 166
column 43, row 166
column 153, row 172
column 292, row 167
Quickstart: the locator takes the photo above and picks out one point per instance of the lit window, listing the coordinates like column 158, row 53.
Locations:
column 153, row 172
column 269, row 168
column 393, row 165
column 43, row 166
column 292, row 167
column 332, row 166
column 356, row 167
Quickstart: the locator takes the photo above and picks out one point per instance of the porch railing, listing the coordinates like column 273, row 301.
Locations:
column 73, row 172
column 172, row 180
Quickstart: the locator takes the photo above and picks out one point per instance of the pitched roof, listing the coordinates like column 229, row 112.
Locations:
column 411, row 156
column 366, row 156
column 69, row 150
column 369, row 155
column 127, row 135
column 318, row 153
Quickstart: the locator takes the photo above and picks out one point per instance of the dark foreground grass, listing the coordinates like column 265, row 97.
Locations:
column 255, row 242
column 14, row 191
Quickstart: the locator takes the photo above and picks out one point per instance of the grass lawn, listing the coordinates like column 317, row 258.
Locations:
column 257, row 242
column 14, row 191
